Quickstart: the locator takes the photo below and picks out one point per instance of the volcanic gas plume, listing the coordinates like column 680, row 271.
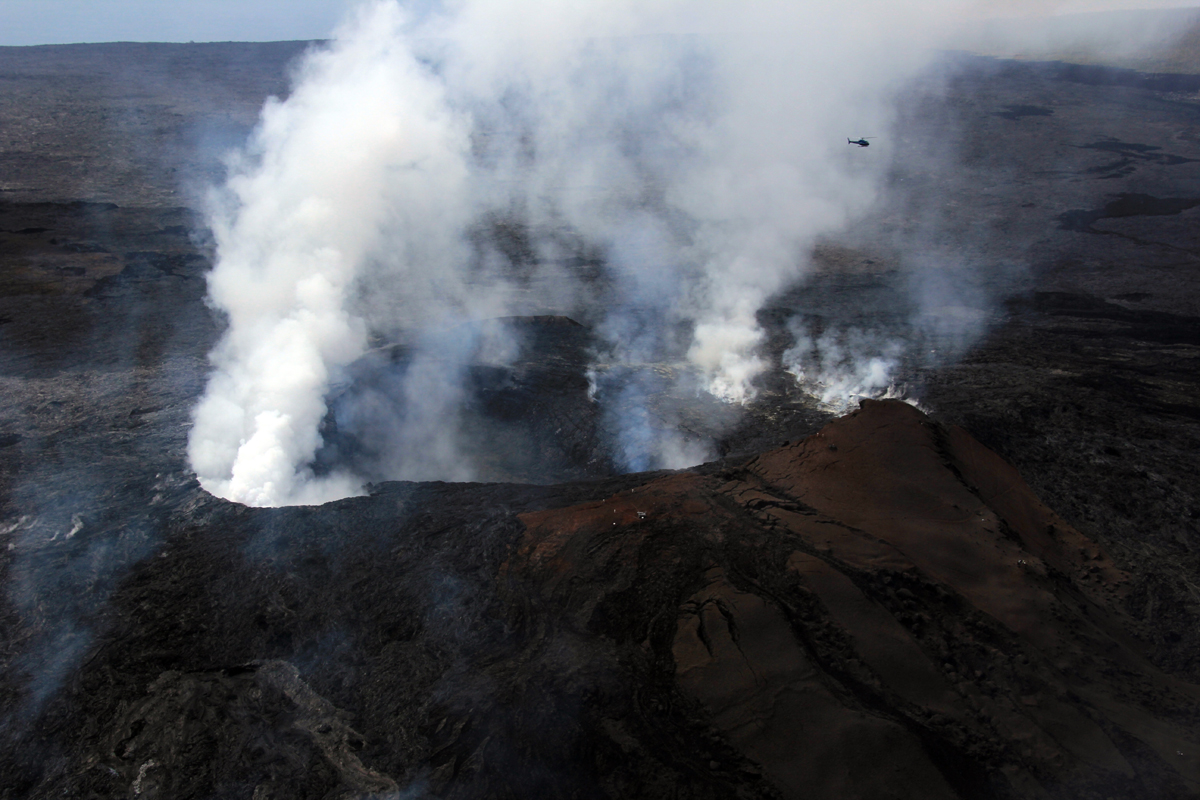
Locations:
column 693, row 151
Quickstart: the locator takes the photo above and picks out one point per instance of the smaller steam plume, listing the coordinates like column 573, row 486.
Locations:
column 842, row 367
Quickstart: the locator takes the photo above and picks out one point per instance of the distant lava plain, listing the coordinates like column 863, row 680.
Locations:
column 994, row 596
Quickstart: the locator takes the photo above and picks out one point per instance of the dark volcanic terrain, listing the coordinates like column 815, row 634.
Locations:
column 997, row 596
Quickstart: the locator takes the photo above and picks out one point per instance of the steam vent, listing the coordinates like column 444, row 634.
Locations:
column 943, row 545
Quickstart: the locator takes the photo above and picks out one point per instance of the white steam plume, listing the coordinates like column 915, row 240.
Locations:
column 365, row 144
column 698, row 145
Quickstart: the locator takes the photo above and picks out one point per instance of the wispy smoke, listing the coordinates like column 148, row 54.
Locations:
column 1158, row 39
column 647, row 423
column 697, row 148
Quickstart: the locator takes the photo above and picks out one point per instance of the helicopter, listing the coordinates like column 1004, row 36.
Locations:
column 861, row 142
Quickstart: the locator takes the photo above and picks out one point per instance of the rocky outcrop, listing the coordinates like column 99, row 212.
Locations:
column 881, row 610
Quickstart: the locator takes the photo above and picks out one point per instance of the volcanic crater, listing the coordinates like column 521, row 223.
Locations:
column 879, row 604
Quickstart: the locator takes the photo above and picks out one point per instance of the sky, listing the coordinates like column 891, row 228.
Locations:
column 33, row 22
